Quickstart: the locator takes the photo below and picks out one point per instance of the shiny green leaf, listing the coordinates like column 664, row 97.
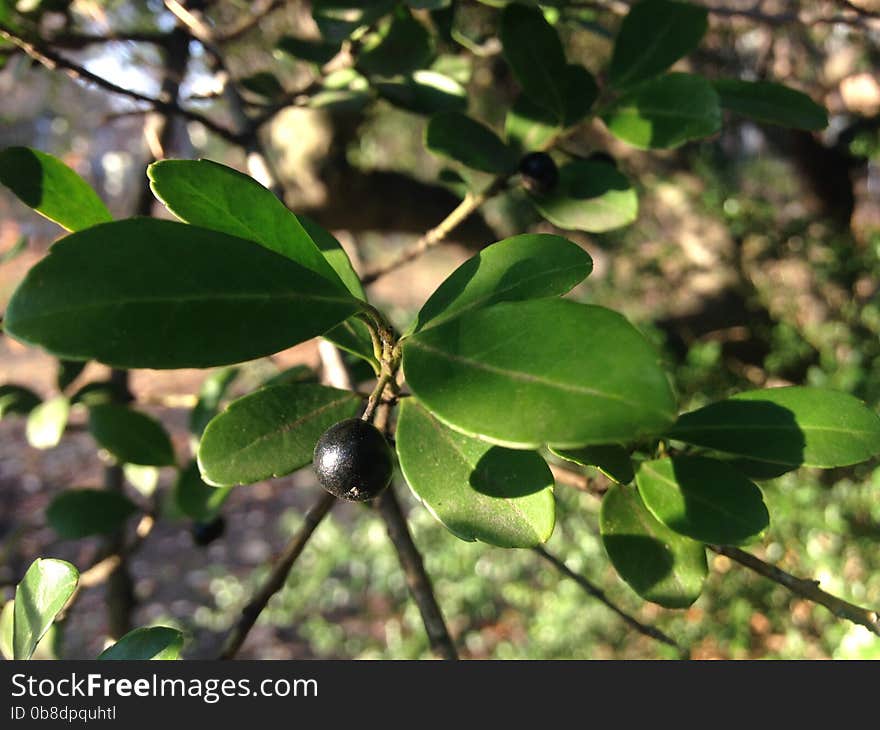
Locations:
column 612, row 460
column 51, row 188
column 424, row 92
column 658, row 564
column 77, row 513
column 130, row 436
column 337, row 20
column 465, row 140
column 196, row 499
column 42, row 593
column 271, row 432
column 666, row 112
column 153, row 643
column 336, row 256
column 653, row 36
column 523, row 374
column 46, row 422
column 704, row 499
column 528, row 266
column 792, row 426
column 771, row 103
column 211, row 392
column 590, row 196
column 477, row 491
column 172, row 296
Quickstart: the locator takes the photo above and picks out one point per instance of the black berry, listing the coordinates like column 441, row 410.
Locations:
column 353, row 460
column 538, row 172
column 204, row 533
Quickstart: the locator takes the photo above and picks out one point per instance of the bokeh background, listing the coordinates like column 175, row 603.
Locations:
column 755, row 261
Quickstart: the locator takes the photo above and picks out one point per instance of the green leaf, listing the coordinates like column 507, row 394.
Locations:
column 343, row 101
column 658, row 564
column 77, row 513
column 39, row 598
column 353, row 336
column 771, row 103
column 580, row 93
column 220, row 198
column 130, row 436
column 793, row 426
column 173, row 296
column 529, row 126
column 100, row 391
column 263, row 83
column 535, row 55
column 46, row 422
column 337, row 20
column 144, row 479
column 590, row 196
column 653, row 36
column 51, row 188
column 336, row 256
column 68, row 371
column 704, row 499
column 6, row 630
column 465, row 140
column 477, row 491
column 522, row 374
column 271, row 432
column 424, row 92
column 528, row 266
column 306, row 49
column 293, row 374
column 213, row 389
column 402, row 46
column 17, row 399
column 666, row 112
column 154, row 643
column 612, row 460
column 195, row 498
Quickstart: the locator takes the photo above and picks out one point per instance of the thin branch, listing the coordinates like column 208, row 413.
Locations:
column 417, row 578
column 470, row 203
column 808, row 589
column 597, row 593
column 581, row 482
column 53, row 61
column 278, row 577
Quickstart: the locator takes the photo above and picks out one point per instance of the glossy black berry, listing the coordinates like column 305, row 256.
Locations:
column 204, row 533
column 353, row 460
column 538, row 172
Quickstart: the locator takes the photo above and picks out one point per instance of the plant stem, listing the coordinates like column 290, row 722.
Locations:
column 278, row 577
column 597, row 593
column 417, row 578
column 805, row 588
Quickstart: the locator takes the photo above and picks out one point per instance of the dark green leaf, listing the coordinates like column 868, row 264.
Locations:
column 271, row 432
column 78, row 513
column 424, row 92
column 590, row 196
column 580, row 92
column 477, row 491
column 523, row 374
column 653, row 36
column 339, row 19
column 154, row 642
column 39, row 598
column 213, row 389
column 220, row 198
column 771, row 103
column 47, row 421
column 791, row 426
column 68, row 371
column 195, row 498
column 666, row 112
column 354, row 337
column 308, row 50
column 263, row 83
column 528, row 266
column 612, row 460
column 536, row 57
column 173, row 296
column 17, row 399
column 343, row 101
column 704, row 499
column 100, row 391
column 402, row 46
column 659, row 564
column 51, row 188
column 130, row 436
column 291, row 375
column 336, row 256
column 465, row 140
column 529, row 126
